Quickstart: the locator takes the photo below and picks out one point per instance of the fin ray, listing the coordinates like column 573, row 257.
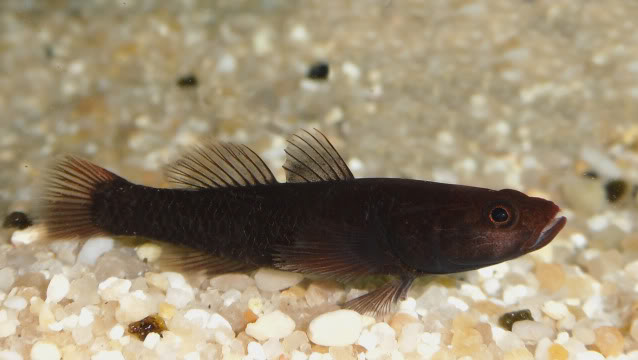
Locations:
column 380, row 301
column 310, row 157
column 188, row 259
column 216, row 165
column 331, row 250
column 68, row 197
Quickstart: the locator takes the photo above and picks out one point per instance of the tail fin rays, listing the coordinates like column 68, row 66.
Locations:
column 68, row 195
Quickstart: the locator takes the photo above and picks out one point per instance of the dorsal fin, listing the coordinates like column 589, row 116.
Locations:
column 215, row 165
column 310, row 157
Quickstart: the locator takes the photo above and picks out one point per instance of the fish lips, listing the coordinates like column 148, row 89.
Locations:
column 548, row 233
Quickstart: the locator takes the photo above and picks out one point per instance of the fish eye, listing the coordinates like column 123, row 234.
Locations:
column 499, row 215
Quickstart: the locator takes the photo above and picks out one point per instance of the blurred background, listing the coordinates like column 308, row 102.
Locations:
column 525, row 94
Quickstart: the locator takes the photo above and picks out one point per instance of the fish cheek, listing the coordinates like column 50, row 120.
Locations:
column 416, row 245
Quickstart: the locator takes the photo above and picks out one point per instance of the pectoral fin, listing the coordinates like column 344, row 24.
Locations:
column 380, row 300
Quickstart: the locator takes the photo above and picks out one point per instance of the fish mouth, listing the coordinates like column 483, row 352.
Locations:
column 549, row 232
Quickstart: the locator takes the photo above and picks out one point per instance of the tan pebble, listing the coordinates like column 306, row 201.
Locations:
column 320, row 349
column 609, row 340
column 443, row 354
column 630, row 242
column 167, row 311
column 466, row 342
column 557, row 352
column 157, row 280
column 399, row 320
column 343, row 352
column 550, row 276
column 250, row 316
column 633, row 330
column 579, row 286
column 447, row 281
column 296, row 290
column 46, row 317
column 489, row 308
column 485, row 330
column 463, row 321
column 283, row 357
column 359, row 349
column 518, row 354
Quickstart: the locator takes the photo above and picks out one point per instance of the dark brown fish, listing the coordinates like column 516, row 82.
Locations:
column 232, row 215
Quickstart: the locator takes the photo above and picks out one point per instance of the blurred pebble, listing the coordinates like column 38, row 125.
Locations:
column 45, row 351
column 236, row 281
column 583, row 194
column 318, row 71
column 185, row 81
column 17, row 220
column 26, row 236
column 148, row 252
column 616, row 189
column 609, row 340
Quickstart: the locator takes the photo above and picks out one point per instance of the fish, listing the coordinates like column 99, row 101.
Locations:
column 227, row 213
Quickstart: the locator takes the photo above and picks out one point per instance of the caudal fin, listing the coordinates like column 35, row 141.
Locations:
column 68, row 198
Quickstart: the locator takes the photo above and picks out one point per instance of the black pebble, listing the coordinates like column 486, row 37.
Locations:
column 319, row 71
column 187, row 81
column 507, row 320
column 615, row 189
column 18, row 220
column 590, row 174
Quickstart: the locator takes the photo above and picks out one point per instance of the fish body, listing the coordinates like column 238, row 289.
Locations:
column 231, row 214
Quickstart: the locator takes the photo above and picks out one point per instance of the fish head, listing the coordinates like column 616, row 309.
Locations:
column 480, row 228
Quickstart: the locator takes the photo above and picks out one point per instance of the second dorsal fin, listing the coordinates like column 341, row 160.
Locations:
column 220, row 165
column 310, row 157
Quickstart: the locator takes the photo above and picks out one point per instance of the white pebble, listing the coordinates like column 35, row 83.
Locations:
column 86, row 317
column 10, row 355
column 93, row 249
column 58, row 288
column 179, row 297
column 116, row 332
column 256, row 351
column 175, row 280
column 7, row 278
column 26, row 236
column 532, row 330
column 298, row 355
column 108, row 355
column 45, row 351
column 231, row 296
column 276, row 280
column 197, row 316
column 458, row 303
column 217, row 321
column 368, row 340
column 151, row 340
column 555, row 310
column 226, row 64
column 336, row 328
column 506, row 340
column 7, row 327
column 148, row 251
column 299, row 33
column 194, row 355
column 512, row 294
column 113, row 288
column 272, row 325
column 15, row 303
column 351, row 70
column 589, row 355
column 598, row 223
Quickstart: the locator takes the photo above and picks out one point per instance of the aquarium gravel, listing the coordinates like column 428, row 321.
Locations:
column 538, row 96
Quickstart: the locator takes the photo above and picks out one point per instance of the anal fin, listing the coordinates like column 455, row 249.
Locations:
column 379, row 301
column 187, row 259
